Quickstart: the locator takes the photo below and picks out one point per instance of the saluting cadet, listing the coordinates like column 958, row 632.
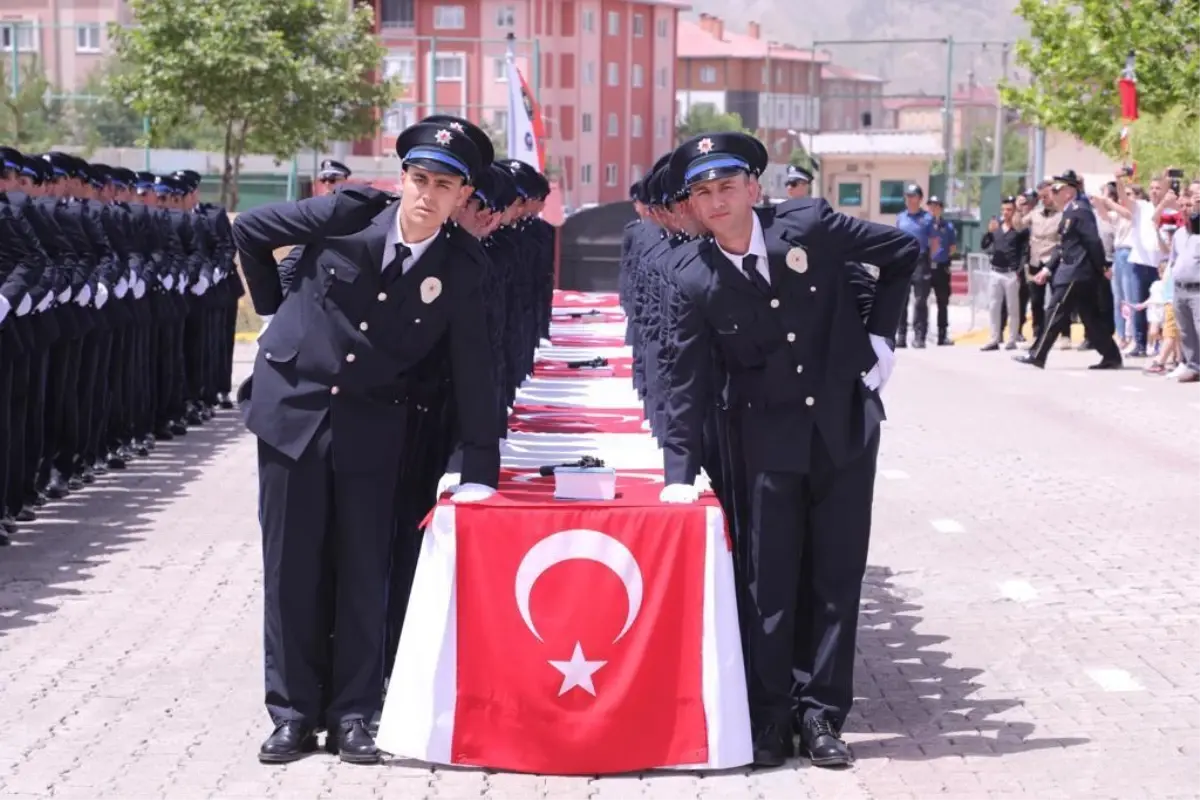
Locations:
column 1073, row 272
column 770, row 290
column 380, row 285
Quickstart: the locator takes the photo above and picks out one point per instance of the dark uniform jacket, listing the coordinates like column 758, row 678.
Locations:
column 796, row 357
column 1080, row 252
column 345, row 339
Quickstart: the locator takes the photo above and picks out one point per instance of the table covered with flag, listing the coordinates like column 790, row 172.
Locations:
column 568, row 637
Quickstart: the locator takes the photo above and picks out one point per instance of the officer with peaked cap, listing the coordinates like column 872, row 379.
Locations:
column 381, row 285
column 769, row 289
column 799, row 182
column 332, row 173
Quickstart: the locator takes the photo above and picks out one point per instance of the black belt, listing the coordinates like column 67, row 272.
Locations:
column 1190, row 286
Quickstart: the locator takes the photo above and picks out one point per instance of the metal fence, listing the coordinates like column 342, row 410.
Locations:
column 979, row 281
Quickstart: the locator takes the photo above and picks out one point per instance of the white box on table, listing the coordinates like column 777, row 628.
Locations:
column 585, row 483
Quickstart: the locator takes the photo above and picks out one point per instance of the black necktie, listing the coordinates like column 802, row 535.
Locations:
column 750, row 267
column 402, row 252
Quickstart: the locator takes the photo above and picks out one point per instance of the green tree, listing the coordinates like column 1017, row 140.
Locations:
column 703, row 118
column 102, row 119
column 1163, row 141
column 801, row 158
column 31, row 119
column 274, row 77
column 975, row 160
column 1077, row 50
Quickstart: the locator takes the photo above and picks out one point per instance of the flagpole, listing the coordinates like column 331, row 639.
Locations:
column 510, row 55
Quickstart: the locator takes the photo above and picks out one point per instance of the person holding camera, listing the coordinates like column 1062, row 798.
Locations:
column 1007, row 240
column 1184, row 268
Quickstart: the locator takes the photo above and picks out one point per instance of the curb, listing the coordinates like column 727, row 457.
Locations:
column 982, row 336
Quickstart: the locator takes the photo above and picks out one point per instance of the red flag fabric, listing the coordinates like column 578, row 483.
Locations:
column 1127, row 89
column 579, row 643
column 558, row 419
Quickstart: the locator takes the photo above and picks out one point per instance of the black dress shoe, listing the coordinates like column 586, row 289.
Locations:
column 1030, row 359
column 919, row 342
column 290, row 741
column 945, row 341
column 38, row 500
column 352, row 743
column 57, row 488
column 4, row 542
column 178, row 429
column 224, row 401
column 773, row 746
column 116, row 461
column 823, row 744
column 87, row 475
column 75, row 483
column 25, row 515
column 7, row 524
column 100, row 467
column 1109, row 363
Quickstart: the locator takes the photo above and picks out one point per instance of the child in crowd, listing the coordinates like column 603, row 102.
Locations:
column 1160, row 313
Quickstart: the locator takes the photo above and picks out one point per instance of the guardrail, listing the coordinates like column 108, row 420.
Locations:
column 979, row 276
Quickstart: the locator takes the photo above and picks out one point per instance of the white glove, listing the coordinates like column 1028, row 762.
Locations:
column 46, row 301
column 218, row 275
column 5, row 307
column 101, row 295
column 133, row 275
column 122, row 288
column 881, row 373
column 25, row 306
column 139, row 289
column 266, row 321
column 448, row 483
column 684, row 493
column 64, row 296
column 84, row 297
column 167, row 281
column 201, row 286
column 471, row 493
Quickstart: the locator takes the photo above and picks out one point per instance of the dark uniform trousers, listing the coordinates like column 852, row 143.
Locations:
column 922, row 281
column 940, row 282
column 1080, row 297
column 807, row 428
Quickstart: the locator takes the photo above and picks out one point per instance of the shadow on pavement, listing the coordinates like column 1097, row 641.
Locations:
column 49, row 558
column 923, row 707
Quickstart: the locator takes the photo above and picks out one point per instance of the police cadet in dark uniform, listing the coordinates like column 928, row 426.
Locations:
column 799, row 182
column 1073, row 271
column 769, row 289
column 379, row 286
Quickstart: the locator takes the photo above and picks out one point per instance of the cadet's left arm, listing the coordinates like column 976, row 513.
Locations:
column 474, row 382
column 1089, row 235
column 893, row 251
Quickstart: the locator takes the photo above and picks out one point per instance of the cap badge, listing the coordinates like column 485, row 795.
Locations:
column 797, row 259
column 431, row 287
column 455, row 126
column 705, row 146
column 442, row 137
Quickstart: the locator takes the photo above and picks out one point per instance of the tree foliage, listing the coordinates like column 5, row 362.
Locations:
column 274, row 77
column 1076, row 53
column 1164, row 141
column 704, row 118
column 100, row 118
column 32, row 120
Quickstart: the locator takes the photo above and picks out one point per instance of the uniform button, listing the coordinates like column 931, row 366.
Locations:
column 862, row 374
column 362, row 326
column 791, row 337
column 381, row 296
column 350, row 357
column 774, row 302
column 417, row 321
column 334, row 390
column 268, row 355
column 808, row 401
column 799, row 369
column 812, row 288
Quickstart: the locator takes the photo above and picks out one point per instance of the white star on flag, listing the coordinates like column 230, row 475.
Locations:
column 442, row 137
column 577, row 672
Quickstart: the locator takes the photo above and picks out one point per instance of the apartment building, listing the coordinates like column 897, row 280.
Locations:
column 974, row 110
column 68, row 38
column 601, row 70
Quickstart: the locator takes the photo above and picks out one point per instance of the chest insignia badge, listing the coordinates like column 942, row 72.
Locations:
column 797, row 259
column 431, row 287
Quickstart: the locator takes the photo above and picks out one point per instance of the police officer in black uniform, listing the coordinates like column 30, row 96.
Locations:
column 770, row 290
column 799, row 182
column 381, row 284
column 1073, row 272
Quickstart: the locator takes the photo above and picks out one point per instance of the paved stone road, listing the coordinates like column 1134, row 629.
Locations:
column 1029, row 628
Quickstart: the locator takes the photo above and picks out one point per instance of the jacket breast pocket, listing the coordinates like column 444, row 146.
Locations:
column 737, row 339
column 337, row 273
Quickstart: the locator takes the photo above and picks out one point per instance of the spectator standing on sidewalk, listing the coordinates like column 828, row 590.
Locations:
column 1042, row 223
column 917, row 222
column 1185, row 291
column 943, row 251
column 1007, row 239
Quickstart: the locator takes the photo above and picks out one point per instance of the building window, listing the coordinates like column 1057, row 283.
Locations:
column 635, row 77
column 662, row 29
column 396, row 14
column 589, row 73
column 449, row 18
column 639, row 25
column 448, row 68
column 87, row 39
column 585, row 174
column 614, row 125
column 662, row 77
column 399, row 117
column 635, row 126
column 585, row 123
column 566, row 70
column 635, row 173
column 567, row 20
column 506, row 17
column 660, row 127
column 401, row 68
column 500, row 69
column 589, row 21
column 850, row 195
column 610, row 174
column 614, row 74
column 25, row 36
column 891, row 196
column 614, row 23
column 708, row 74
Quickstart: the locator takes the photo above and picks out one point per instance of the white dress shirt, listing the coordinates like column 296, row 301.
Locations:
column 758, row 247
column 396, row 236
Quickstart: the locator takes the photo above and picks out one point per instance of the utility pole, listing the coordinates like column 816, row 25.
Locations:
column 998, row 138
